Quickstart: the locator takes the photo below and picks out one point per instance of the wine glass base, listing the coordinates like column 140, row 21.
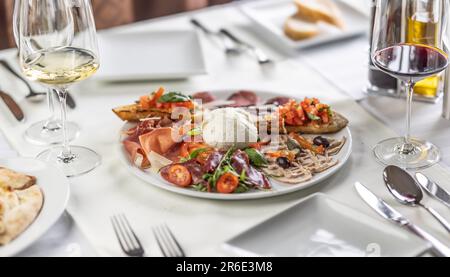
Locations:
column 420, row 154
column 39, row 134
column 82, row 161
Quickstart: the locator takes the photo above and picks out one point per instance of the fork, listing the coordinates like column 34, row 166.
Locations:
column 127, row 238
column 255, row 51
column 167, row 242
column 228, row 45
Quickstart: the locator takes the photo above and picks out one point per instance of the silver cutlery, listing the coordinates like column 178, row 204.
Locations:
column 433, row 189
column 128, row 240
column 12, row 106
column 386, row 211
column 33, row 95
column 257, row 52
column 228, row 45
column 167, row 242
column 405, row 189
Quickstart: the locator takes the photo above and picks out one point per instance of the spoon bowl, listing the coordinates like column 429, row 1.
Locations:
column 406, row 190
column 403, row 186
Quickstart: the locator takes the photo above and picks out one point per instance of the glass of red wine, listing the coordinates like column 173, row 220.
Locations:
column 410, row 44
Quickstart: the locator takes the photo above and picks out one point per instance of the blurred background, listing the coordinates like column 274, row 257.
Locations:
column 110, row 13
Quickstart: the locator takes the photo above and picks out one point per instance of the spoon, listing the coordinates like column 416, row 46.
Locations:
column 32, row 95
column 406, row 191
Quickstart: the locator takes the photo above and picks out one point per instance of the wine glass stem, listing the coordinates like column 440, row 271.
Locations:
column 51, row 124
column 66, row 155
column 408, row 147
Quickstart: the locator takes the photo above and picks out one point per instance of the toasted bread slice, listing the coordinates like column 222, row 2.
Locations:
column 337, row 123
column 320, row 10
column 135, row 113
column 298, row 29
column 15, row 180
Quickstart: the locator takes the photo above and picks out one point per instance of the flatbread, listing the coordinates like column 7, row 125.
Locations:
column 15, row 180
column 21, row 201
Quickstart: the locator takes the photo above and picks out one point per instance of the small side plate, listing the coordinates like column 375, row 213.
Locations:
column 322, row 227
column 56, row 190
column 142, row 56
column 270, row 16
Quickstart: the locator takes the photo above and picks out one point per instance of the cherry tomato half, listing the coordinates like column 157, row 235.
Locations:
column 203, row 157
column 228, row 183
column 178, row 175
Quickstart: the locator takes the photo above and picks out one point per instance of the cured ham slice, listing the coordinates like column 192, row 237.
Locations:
column 158, row 140
column 244, row 98
column 135, row 151
column 205, row 97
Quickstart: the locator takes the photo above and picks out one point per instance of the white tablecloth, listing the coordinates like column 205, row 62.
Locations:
column 202, row 225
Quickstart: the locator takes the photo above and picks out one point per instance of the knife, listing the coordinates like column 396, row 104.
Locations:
column 12, row 106
column 386, row 211
column 433, row 189
column 259, row 54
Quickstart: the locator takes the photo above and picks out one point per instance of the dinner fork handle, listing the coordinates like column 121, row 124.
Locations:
column 438, row 247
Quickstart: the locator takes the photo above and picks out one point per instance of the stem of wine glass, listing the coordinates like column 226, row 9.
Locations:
column 408, row 148
column 51, row 124
column 66, row 155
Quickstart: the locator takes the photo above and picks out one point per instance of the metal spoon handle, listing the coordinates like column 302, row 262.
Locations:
column 439, row 217
column 438, row 247
column 6, row 65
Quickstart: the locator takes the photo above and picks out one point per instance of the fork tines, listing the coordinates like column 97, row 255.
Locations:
column 128, row 240
column 167, row 242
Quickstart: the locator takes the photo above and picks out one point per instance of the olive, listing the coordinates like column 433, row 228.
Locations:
column 321, row 141
column 283, row 162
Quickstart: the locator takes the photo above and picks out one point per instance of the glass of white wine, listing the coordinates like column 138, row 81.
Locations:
column 58, row 48
column 49, row 131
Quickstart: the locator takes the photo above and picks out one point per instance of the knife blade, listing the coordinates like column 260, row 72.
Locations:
column 433, row 189
column 386, row 211
column 12, row 106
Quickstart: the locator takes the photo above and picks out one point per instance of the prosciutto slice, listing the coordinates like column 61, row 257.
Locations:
column 244, row 98
column 205, row 97
column 135, row 151
column 158, row 140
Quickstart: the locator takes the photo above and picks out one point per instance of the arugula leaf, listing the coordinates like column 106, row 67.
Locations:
column 312, row 117
column 174, row 97
column 242, row 189
column 243, row 176
column 256, row 157
column 200, row 187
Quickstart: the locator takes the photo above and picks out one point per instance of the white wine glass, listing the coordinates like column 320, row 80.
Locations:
column 410, row 43
column 58, row 48
column 49, row 131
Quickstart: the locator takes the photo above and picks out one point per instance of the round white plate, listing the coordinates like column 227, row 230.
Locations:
column 56, row 190
column 277, row 187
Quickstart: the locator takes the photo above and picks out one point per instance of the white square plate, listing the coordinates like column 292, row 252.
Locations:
column 321, row 227
column 150, row 56
column 270, row 16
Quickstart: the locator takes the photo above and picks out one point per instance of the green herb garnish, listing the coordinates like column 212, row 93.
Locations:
column 312, row 117
column 174, row 97
column 256, row 158
column 193, row 155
